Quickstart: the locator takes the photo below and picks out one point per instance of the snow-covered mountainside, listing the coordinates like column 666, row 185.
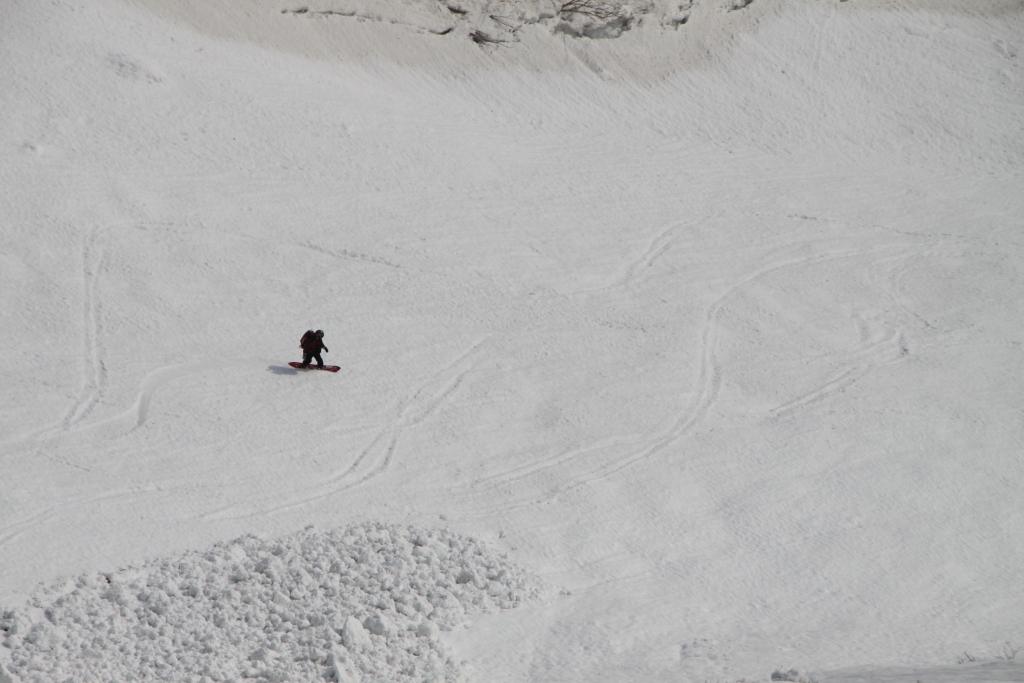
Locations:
column 691, row 329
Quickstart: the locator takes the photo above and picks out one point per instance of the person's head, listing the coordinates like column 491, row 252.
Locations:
column 320, row 334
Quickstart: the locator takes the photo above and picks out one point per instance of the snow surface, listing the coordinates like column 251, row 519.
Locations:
column 711, row 320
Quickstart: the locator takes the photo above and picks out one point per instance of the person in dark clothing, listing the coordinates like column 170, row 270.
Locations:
column 311, row 344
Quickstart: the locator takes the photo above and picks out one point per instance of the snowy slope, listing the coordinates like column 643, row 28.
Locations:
column 714, row 325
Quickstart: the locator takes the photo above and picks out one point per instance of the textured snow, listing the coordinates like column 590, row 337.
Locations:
column 361, row 602
column 710, row 314
column 997, row 671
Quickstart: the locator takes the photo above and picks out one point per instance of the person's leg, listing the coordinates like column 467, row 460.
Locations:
column 319, row 360
column 306, row 356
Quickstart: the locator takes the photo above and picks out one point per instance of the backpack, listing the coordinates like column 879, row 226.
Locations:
column 307, row 339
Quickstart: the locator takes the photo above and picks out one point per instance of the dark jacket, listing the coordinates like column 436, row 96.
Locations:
column 312, row 344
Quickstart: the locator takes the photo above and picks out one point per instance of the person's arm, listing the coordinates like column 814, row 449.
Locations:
column 325, row 347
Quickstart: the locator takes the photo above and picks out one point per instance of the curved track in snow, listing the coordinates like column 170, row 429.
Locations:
column 873, row 350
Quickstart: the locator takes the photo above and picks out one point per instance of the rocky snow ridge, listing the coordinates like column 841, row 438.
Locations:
column 498, row 21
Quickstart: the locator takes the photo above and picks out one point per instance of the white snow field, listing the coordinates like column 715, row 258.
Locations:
column 692, row 331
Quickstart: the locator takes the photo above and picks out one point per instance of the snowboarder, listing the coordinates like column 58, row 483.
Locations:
column 311, row 344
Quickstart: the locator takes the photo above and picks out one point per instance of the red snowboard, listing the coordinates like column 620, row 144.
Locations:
column 328, row 368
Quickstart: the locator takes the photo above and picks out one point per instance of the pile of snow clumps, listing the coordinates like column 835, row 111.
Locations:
column 363, row 603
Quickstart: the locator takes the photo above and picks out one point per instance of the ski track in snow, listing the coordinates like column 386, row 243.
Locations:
column 136, row 417
column 93, row 365
column 881, row 349
column 636, row 269
column 348, row 255
column 162, row 376
column 93, row 369
column 138, row 413
column 877, row 350
column 376, row 458
column 13, row 531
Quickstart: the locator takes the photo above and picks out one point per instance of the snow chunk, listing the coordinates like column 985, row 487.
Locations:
column 379, row 625
column 354, row 636
column 361, row 603
column 427, row 629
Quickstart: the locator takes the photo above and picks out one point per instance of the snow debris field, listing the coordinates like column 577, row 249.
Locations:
column 366, row 600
